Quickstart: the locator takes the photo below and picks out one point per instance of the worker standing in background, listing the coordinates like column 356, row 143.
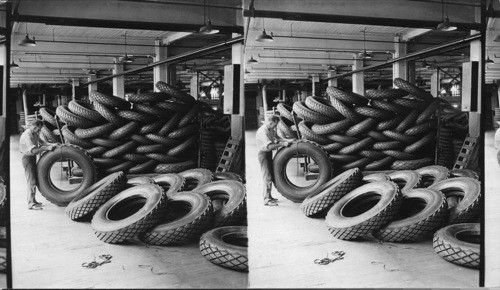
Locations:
column 267, row 141
column 30, row 146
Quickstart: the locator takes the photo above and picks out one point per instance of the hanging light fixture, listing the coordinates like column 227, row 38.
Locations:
column 264, row 37
column 445, row 25
column 251, row 60
column 13, row 64
column 365, row 54
column 489, row 60
column 27, row 41
column 208, row 28
column 126, row 58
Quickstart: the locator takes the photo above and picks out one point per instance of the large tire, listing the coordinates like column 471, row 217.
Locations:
column 374, row 177
column 396, row 136
column 188, row 216
column 105, row 142
column 138, row 158
column 173, row 106
column 364, row 210
column 141, row 139
column 406, row 180
column 135, row 116
column 449, row 244
column 358, row 146
column 399, row 155
column 390, row 107
column 360, row 163
column 169, row 142
column 188, row 143
column 171, row 182
column 48, row 135
column 421, row 129
column 96, row 151
column 195, row 178
column 420, row 143
column 389, row 124
column 422, row 212
column 227, row 176
column 164, row 158
column 54, row 194
column 454, row 173
column 345, row 111
column 379, row 164
column 284, row 129
column 386, row 94
column 72, row 119
column 432, row 174
column 93, row 197
column 318, row 203
column 129, row 213
column 185, row 131
column 362, row 127
column 234, row 210
column 190, row 115
column 371, row 112
column 146, row 167
column 283, row 184
column 232, row 252
column 469, row 192
column 155, row 148
column 347, row 140
column 120, row 167
column 410, row 103
column 151, row 110
column 85, row 110
column 408, row 121
column 152, row 127
column 428, row 112
column 111, row 101
column 170, row 124
column 389, row 145
column 285, row 111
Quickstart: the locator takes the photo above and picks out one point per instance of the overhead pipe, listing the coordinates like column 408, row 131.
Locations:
column 217, row 47
column 412, row 55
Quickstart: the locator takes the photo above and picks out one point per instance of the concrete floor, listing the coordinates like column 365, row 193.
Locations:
column 492, row 214
column 284, row 244
column 48, row 250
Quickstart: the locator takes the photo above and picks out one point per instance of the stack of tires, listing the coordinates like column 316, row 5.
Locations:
column 151, row 132
column 170, row 210
column 453, row 129
column 387, row 129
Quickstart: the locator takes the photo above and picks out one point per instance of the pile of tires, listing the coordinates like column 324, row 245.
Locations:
column 150, row 132
column 387, row 129
column 402, row 206
column 170, row 210
column 453, row 129
column 215, row 129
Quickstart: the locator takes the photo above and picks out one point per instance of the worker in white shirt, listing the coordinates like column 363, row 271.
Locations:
column 30, row 146
column 267, row 141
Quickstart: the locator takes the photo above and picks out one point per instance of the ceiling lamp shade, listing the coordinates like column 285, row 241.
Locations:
column 446, row 25
column 264, row 37
column 489, row 60
column 13, row 64
column 27, row 41
column 251, row 60
column 365, row 55
column 127, row 59
column 208, row 28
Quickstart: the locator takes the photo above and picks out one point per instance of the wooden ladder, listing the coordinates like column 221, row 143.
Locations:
column 230, row 153
column 466, row 152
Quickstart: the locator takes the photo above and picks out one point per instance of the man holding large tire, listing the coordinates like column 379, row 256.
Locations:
column 267, row 141
column 30, row 145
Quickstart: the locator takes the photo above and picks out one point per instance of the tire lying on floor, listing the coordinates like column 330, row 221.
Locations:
column 195, row 178
column 422, row 212
column 364, row 210
column 129, row 213
column 226, row 247
column 301, row 148
column 468, row 191
column 188, row 216
column 228, row 199
column 93, row 197
column 459, row 244
column 317, row 204
column 47, row 161
column 227, row 176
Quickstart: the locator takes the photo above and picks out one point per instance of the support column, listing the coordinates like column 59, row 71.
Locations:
column 358, row 79
column 160, row 71
column 118, row 82
column 399, row 69
column 195, row 86
column 314, row 80
column 25, row 107
column 92, row 86
column 410, row 68
column 475, row 116
column 73, row 91
column 171, row 74
column 435, row 83
column 332, row 82
column 264, row 100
